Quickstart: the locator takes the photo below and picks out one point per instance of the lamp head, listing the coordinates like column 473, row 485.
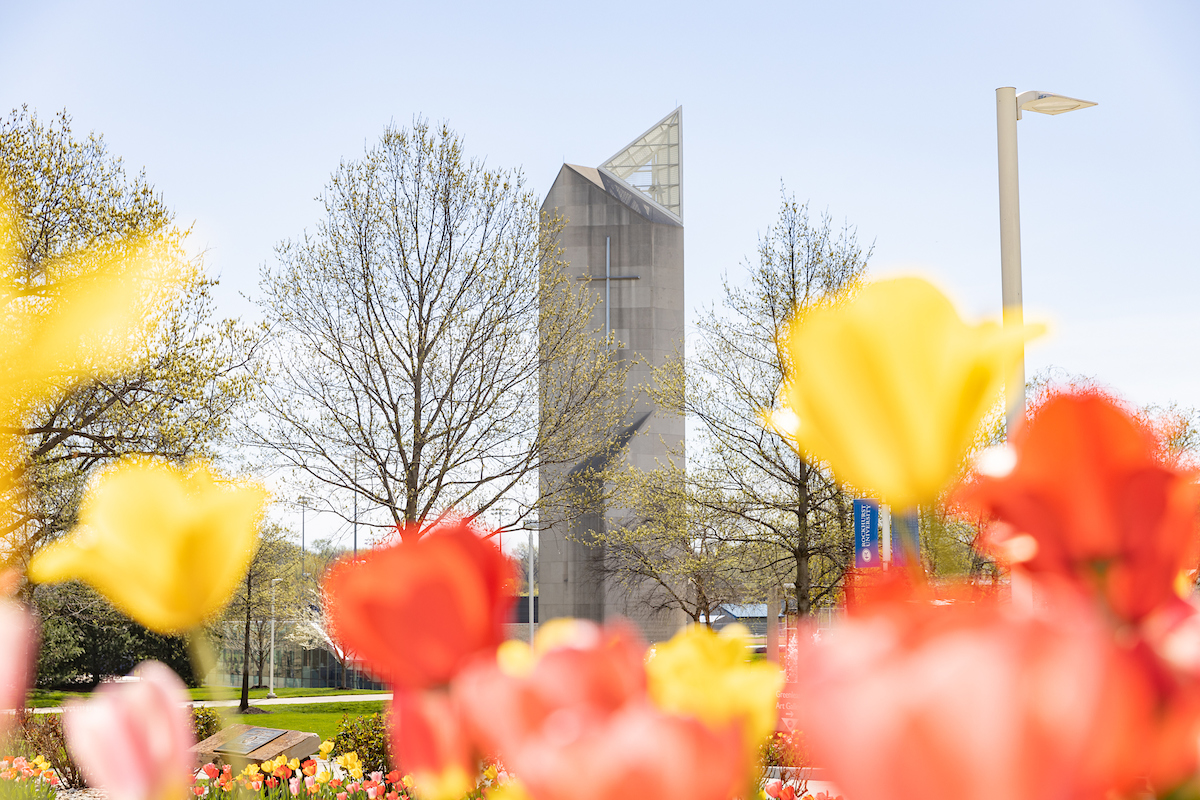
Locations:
column 1049, row 103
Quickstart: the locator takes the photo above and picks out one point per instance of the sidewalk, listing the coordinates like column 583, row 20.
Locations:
column 278, row 701
column 296, row 701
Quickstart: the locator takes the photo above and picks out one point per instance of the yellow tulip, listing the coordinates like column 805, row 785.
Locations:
column 890, row 387
column 512, row 790
column 167, row 547
column 451, row 783
column 705, row 675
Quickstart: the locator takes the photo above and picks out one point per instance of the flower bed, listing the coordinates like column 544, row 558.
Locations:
column 27, row 779
column 343, row 778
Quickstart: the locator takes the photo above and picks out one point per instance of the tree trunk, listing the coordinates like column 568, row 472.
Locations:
column 803, row 584
column 803, row 554
column 244, row 706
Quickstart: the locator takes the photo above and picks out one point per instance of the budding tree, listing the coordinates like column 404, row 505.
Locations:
column 408, row 372
column 790, row 511
column 68, row 213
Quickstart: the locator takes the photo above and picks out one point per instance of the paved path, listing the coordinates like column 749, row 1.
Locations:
column 293, row 701
column 278, row 701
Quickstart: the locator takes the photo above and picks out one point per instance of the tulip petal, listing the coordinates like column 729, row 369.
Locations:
column 166, row 547
column 890, row 387
column 17, row 643
column 1089, row 488
column 417, row 611
column 133, row 739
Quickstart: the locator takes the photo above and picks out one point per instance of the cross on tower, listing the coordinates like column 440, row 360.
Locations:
column 608, row 278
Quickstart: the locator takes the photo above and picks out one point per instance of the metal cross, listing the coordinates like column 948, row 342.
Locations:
column 607, row 278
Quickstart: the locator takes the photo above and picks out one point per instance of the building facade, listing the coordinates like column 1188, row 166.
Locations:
column 623, row 236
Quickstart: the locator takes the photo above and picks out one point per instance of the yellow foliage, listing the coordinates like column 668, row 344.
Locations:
column 77, row 320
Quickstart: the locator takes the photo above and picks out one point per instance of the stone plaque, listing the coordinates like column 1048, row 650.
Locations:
column 220, row 748
column 249, row 741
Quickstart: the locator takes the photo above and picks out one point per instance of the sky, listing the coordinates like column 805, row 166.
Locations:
column 878, row 113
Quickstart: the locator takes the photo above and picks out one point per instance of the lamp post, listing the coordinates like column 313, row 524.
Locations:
column 304, row 501
column 271, row 691
column 1009, row 106
column 531, row 527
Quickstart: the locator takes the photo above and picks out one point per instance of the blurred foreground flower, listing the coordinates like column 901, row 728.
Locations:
column 572, row 721
column 706, row 675
column 70, row 324
column 166, row 546
column 1086, row 483
column 891, row 386
column 17, row 647
column 132, row 739
column 417, row 611
column 985, row 702
column 430, row 743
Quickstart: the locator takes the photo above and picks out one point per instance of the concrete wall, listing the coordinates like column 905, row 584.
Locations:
column 647, row 317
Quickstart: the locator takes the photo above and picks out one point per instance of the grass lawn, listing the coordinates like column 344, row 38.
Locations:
column 319, row 718
column 235, row 692
column 39, row 698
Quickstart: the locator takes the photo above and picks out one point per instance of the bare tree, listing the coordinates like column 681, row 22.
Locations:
column 791, row 508
column 408, row 372
column 671, row 549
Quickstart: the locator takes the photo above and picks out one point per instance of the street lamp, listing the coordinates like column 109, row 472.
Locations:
column 304, row 501
column 531, row 527
column 1009, row 106
column 271, row 691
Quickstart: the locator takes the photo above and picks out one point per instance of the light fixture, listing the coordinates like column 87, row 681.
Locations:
column 1049, row 103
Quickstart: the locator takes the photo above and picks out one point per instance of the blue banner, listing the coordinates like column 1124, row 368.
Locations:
column 866, row 534
column 906, row 537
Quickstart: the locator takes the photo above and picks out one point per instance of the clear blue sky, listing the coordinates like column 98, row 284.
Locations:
column 881, row 112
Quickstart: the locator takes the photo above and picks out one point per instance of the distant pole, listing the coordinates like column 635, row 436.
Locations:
column 529, row 581
column 885, row 535
column 271, row 691
column 355, row 509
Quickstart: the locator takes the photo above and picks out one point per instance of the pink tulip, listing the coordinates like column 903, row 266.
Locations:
column 912, row 701
column 132, row 739
column 579, row 725
column 16, row 652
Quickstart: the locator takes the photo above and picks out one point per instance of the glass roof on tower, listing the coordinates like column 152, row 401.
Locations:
column 651, row 164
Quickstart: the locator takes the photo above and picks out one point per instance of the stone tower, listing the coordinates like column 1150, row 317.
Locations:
column 624, row 237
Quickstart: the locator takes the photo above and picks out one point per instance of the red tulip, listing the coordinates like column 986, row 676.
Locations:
column 576, row 724
column 133, row 739
column 982, row 702
column 417, row 611
column 1101, row 507
column 429, row 742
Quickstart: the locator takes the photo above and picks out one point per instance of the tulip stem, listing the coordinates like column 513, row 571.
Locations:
column 204, row 660
column 906, row 533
